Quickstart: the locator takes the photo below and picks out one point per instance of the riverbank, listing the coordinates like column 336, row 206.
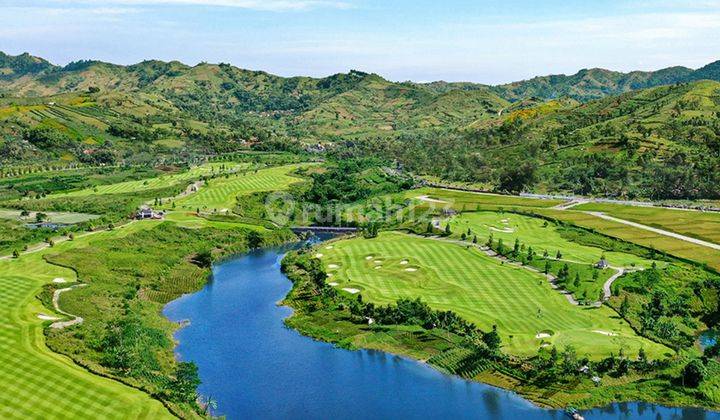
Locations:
column 546, row 379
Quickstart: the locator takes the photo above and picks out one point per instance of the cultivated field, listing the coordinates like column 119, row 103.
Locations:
column 221, row 193
column 528, row 313
column 38, row 383
column 696, row 224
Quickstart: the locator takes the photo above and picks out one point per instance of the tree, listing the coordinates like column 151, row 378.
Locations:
column 16, row 254
column 463, row 236
column 429, row 227
column 576, row 282
column 447, row 229
column 693, row 373
column 40, row 217
column 71, row 236
column 624, row 306
column 492, row 339
column 516, row 247
column 558, row 256
column 474, row 240
column 24, row 213
column 547, row 267
column 184, row 386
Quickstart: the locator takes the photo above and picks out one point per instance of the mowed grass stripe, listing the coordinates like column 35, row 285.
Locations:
column 479, row 288
column 222, row 193
column 37, row 383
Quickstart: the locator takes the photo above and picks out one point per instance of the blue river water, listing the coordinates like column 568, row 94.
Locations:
column 256, row 368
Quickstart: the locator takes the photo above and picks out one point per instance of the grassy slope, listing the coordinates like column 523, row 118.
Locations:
column 643, row 237
column 221, row 193
column 531, row 231
column 38, row 383
column 701, row 225
column 479, row 288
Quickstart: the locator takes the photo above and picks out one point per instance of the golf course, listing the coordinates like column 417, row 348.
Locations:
column 528, row 313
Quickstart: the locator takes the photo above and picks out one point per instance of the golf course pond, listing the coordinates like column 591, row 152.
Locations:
column 255, row 367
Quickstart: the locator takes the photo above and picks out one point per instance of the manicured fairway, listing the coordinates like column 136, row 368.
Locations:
column 701, row 225
column 460, row 200
column 55, row 217
column 36, row 383
column 640, row 236
column 155, row 183
column 221, row 193
column 481, row 289
column 530, row 231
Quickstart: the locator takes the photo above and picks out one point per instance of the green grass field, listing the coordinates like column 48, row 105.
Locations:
column 38, row 383
column 531, row 231
column 55, row 217
column 157, row 182
column 639, row 236
column 481, row 289
column 221, row 193
column 696, row 224
column 462, row 200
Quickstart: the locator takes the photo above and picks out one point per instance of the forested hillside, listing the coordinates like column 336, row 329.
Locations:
column 638, row 134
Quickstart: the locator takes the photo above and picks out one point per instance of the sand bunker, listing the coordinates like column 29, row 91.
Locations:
column 612, row 334
column 411, row 269
column 504, row 220
column 542, row 335
column 377, row 262
column 332, row 283
column 329, row 274
column 369, row 257
column 377, row 267
column 403, row 262
column 333, row 266
column 329, row 247
column 503, row 230
column 47, row 317
column 58, row 280
column 351, row 290
column 430, row 200
column 318, row 255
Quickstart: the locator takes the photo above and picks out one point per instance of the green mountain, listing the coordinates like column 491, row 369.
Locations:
column 662, row 143
column 589, row 84
column 595, row 132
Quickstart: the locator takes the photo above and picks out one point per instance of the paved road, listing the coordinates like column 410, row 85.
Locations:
column 656, row 230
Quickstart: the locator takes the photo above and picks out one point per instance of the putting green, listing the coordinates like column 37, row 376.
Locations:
column 221, row 193
column 37, row 383
column 532, row 232
column 481, row 289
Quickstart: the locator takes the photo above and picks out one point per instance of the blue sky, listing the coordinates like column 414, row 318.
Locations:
column 421, row 40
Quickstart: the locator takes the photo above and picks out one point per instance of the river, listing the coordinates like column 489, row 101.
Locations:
column 256, row 368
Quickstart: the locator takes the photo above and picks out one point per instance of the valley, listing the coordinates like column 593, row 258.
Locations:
column 127, row 190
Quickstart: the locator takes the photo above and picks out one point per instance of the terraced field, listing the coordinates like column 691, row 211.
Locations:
column 41, row 384
column 221, row 193
column 528, row 313
column 696, row 224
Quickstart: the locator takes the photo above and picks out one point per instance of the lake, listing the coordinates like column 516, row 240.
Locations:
column 256, row 368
